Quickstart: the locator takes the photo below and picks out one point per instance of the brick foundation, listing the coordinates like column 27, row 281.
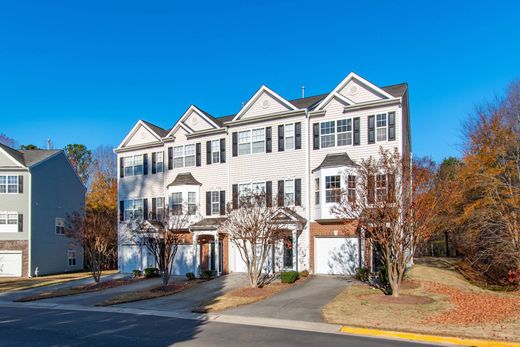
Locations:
column 18, row 245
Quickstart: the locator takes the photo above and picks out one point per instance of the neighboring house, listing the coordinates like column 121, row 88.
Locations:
column 296, row 151
column 38, row 189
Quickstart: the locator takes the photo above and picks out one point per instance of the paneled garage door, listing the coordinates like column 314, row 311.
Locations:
column 11, row 263
column 336, row 255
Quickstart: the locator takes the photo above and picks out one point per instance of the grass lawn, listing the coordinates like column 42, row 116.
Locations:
column 15, row 284
column 244, row 296
column 436, row 299
column 147, row 294
column 86, row 288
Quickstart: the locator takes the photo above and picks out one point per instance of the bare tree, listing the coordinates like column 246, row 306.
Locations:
column 161, row 234
column 253, row 229
column 94, row 230
column 394, row 203
column 6, row 140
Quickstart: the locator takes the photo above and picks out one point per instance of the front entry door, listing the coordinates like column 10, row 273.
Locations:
column 211, row 263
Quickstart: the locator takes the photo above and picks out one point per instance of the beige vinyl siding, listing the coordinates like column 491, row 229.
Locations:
column 141, row 136
column 363, row 93
column 259, row 108
column 196, row 122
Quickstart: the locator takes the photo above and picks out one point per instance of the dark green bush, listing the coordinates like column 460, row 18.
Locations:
column 137, row 273
column 382, row 276
column 208, row 274
column 304, row 273
column 190, row 276
column 289, row 276
column 151, row 272
column 362, row 274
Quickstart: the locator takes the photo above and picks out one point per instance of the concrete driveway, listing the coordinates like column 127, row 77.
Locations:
column 302, row 302
column 185, row 301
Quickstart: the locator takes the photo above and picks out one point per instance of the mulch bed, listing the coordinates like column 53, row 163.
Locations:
column 403, row 299
column 473, row 308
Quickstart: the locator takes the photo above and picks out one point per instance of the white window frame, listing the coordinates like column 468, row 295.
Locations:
column 335, row 192
column 159, row 159
column 317, row 191
column 71, row 257
column 215, row 151
column 289, row 196
column 347, row 132
column 59, row 226
column 381, row 187
column 381, row 123
column 191, row 149
column 289, row 134
column 159, row 206
column 130, row 163
column 192, row 203
column 176, row 203
column 178, row 154
column 5, row 184
column 251, row 189
column 247, row 140
column 215, row 202
column 351, row 188
column 6, row 221
column 328, row 135
column 132, row 209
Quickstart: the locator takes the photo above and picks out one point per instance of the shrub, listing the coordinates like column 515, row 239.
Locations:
column 208, row 274
column 190, row 276
column 304, row 273
column 151, row 272
column 289, row 276
column 137, row 273
column 362, row 274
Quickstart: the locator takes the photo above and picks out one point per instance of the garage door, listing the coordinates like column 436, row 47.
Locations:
column 336, row 255
column 11, row 263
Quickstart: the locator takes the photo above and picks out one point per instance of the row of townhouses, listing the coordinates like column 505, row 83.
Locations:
column 38, row 190
column 299, row 152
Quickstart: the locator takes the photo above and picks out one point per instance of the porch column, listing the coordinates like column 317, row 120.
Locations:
column 195, row 256
column 295, row 248
column 217, row 253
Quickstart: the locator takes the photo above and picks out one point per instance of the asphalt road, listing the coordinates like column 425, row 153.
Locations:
column 44, row 327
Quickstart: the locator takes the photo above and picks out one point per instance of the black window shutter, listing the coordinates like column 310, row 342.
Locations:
column 20, row 222
column 154, row 162
column 20, row 184
column 154, row 208
column 222, row 150
column 268, row 140
column 357, row 128
column 298, row 192
column 269, row 193
column 121, row 167
column 222, row 202
column 170, row 158
column 235, row 144
column 316, row 136
column 298, row 135
column 145, row 209
column 391, row 187
column 197, row 154
column 391, row 126
column 121, row 211
column 208, row 152
column 235, row 196
column 371, row 189
column 280, row 193
column 145, row 164
column 208, row 203
column 371, row 130
column 280, row 139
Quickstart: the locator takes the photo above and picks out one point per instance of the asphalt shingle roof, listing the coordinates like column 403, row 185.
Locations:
column 184, row 179
column 29, row 157
column 335, row 160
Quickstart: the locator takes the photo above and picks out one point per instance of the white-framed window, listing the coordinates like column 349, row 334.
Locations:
column 9, row 184
column 215, row 202
column 159, row 162
column 381, row 187
column 289, row 136
column 381, row 127
column 133, row 209
column 317, row 190
column 344, row 132
column 59, row 224
column 71, row 255
column 8, row 221
column 159, row 209
column 133, row 165
column 327, row 134
column 192, row 203
column 288, row 192
column 177, row 203
column 215, row 151
column 178, row 156
column 333, row 189
column 351, row 189
column 251, row 190
column 251, row 141
column 189, row 155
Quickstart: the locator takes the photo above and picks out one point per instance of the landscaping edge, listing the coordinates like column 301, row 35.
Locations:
column 456, row 341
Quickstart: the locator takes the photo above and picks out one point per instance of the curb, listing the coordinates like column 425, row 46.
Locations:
column 441, row 340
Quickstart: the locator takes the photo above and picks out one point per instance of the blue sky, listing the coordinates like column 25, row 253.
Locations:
column 86, row 71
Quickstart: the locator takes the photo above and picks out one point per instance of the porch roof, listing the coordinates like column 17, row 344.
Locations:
column 210, row 223
column 183, row 179
column 335, row 160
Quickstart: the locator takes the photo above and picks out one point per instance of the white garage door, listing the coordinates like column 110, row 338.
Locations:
column 11, row 263
column 336, row 255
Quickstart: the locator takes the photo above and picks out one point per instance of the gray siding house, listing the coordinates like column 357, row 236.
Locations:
column 38, row 189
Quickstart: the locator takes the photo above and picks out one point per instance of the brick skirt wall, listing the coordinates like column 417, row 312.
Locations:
column 18, row 245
